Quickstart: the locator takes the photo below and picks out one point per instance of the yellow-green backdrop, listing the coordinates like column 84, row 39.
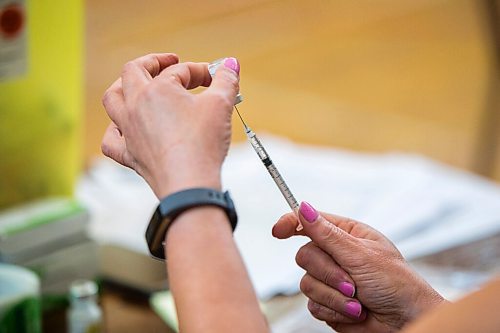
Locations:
column 41, row 110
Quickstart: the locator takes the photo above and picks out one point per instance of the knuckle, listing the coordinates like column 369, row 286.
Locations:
column 106, row 98
column 232, row 80
column 129, row 65
column 332, row 275
column 302, row 256
column 150, row 56
column 323, row 313
column 329, row 276
column 105, row 148
column 336, row 317
column 331, row 300
column 315, row 309
column 333, row 325
column 305, row 285
column 233, row 83
column 330, row 233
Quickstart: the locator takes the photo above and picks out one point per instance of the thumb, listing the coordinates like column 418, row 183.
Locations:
column 326, row 234
column 226, row 80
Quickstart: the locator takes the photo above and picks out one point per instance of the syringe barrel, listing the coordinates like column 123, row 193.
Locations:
column 271, row 168
column 257, row 146
column 275, row 175
column 283, row 187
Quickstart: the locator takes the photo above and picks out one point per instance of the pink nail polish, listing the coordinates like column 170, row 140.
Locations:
column 347, row 289
column 353, row 309
column 308, row 212
column 232, row 63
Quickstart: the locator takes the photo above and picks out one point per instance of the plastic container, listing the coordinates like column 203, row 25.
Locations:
column 19, row 300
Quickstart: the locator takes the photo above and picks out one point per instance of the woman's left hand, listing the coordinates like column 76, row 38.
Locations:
column 174, row 139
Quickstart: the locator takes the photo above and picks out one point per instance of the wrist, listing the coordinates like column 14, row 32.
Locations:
column 425, row 298
column 180, row 185
column 182, row 180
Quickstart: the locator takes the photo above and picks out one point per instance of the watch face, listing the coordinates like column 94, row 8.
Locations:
column 155, row 234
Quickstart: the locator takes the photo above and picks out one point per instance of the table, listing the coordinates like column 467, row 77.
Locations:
column 129, row 312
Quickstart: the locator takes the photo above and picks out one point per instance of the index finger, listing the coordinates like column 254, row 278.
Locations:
column 188, row 74
column 141, row 71
column 355, row 228
column 286, row 227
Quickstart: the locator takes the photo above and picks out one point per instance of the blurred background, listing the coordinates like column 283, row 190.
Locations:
column 386, row 75
column 419, row 80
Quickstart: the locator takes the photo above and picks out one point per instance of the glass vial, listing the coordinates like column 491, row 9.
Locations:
column 84, row 315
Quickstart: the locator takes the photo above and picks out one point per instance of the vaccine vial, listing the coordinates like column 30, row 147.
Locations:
column 212, row 68
column 84, row 315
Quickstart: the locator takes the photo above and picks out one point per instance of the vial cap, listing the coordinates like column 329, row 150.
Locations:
column 83, row 289
column 212, row 68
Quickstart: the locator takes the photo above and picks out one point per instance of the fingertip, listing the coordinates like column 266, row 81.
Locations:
column 285, row 227
column 281, row 231
column 233, row 64
column 228, row 74
column 170, row 58
column 312, row 305
column 275, row 232
column 347, row 289
column 225, row 80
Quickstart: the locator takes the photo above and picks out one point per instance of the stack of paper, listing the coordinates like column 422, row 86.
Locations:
column 423, row 206
column 50, row 237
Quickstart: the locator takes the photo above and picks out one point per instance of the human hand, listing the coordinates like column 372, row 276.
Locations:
column 389, row 290
column 174, row 139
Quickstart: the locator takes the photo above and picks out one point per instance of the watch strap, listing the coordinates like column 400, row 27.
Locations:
column 173, row 205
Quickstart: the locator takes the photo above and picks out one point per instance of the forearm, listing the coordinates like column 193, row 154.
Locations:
column 178, row 140
column 207, row 276
column 477, row 312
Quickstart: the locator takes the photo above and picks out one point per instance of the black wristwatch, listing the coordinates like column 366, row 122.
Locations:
column 173, row 205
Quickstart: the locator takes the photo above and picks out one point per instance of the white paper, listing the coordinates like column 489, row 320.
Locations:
column 421, row 205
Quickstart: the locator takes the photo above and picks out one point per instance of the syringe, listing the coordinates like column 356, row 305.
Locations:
column 261, row 152
column 271, row 168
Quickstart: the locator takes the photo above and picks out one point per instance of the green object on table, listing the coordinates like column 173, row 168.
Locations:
column 19, row 300
column 24, row 317
column 163, row 304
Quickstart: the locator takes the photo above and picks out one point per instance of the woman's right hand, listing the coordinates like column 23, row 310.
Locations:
column 389, row 290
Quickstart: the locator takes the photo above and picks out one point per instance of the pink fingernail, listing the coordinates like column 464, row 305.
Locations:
column 308, row 212
column 353, row 309
column 347, row 289
column 232, row 63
